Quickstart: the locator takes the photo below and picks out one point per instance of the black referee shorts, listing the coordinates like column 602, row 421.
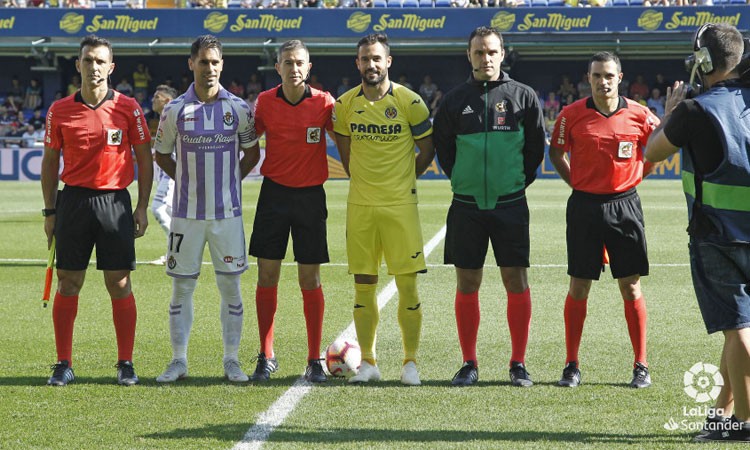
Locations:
column 470, row 229
column 281, row 210
column 88, row 218
column 616, row 221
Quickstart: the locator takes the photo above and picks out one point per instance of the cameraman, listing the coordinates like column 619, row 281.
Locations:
column 714, row 130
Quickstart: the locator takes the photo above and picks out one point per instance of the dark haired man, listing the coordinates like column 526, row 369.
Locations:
column 97, row 130
column 377, row 125
column 713, row 129
column 605, row 136
column 489, row 137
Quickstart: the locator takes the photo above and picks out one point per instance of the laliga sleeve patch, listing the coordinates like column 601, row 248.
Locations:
column 625, row 150
column 313, row 135
column 114, row 137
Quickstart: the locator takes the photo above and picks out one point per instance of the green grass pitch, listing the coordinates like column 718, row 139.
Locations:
column 205, row 412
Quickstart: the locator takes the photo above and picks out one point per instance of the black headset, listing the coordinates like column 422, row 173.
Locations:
column 701, row 54
column 699, row 62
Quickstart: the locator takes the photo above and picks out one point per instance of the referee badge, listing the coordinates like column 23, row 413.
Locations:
column 313, row 135
column 114, row 137
column 625, row 150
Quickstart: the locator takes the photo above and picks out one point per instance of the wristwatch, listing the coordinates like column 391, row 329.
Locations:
column 49, row 212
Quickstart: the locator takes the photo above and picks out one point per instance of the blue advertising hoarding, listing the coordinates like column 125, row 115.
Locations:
column 416, row 23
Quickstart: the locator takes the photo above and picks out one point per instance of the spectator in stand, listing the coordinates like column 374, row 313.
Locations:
column 552, row 103
column 16, row 92
column 315, row 83
column 403, row 80
column 13, row 137
column 639, row 86
column 185, row 82
column 343, row 87
column 254, row 85
column 74, row 85
column 29, row 137
column 236, row 88
column 656, row 102
column 37, row 119
column 330, row 4
column 141, row 79
column 144, row 102
column 125, row 88
column 638, row 99
column 661, row 83
column 427, row 90
column 549, row 121
column 569, row 99
column 21, row 120
column 584, row 87
column 5, row 120
column 566, row 87
column 33, row 97
column 251, row 99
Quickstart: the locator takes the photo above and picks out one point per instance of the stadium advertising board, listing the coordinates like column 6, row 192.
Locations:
column 342, row 23
column 25, row 164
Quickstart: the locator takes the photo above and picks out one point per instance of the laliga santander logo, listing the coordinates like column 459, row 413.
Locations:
column 703, row 382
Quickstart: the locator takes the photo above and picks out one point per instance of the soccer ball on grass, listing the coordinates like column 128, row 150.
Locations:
column 343, row 358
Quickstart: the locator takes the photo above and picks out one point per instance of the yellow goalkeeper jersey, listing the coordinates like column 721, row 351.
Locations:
column 382, row 135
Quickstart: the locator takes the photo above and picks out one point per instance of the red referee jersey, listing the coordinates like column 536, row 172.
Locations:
column 295, row 136
column 606, row 152
column 96, row 142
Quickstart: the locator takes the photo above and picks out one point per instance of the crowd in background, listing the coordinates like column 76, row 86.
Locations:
column 22, row 105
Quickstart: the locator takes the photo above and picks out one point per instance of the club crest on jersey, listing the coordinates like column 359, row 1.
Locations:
column 391, row 113
column 501, row 107
column 228, row 118
column 171, row 262
column 114, row 137
column 313, row 135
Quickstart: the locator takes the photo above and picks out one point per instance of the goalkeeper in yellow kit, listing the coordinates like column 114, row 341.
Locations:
column 377, row 125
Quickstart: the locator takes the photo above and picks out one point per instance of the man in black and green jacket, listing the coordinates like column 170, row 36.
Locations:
column 489, row 138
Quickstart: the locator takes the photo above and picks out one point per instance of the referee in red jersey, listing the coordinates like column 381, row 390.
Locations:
column 96, row 130
column 604, row 136
column 294, row 117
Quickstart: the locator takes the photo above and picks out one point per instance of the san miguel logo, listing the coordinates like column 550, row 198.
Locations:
column 216, row 22
column 412, row 22
column 8, row 23
column 72, row 23
column 358, row 22
column 555, row 21
column 503, row 21
column 267, row 22
column 650, row 19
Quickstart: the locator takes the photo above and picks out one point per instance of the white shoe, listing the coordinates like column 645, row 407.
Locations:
column 159, row 262
column 367, row 372
column 176, row 370
column 409, row 374
column 233, row 371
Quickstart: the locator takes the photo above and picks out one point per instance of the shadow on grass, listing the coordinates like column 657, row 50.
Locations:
column 190, row 381
column 357, row 436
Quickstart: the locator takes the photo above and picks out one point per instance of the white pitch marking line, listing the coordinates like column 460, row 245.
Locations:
column 275, row 415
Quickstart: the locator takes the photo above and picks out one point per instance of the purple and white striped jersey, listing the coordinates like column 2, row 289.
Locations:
column 206, row 138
